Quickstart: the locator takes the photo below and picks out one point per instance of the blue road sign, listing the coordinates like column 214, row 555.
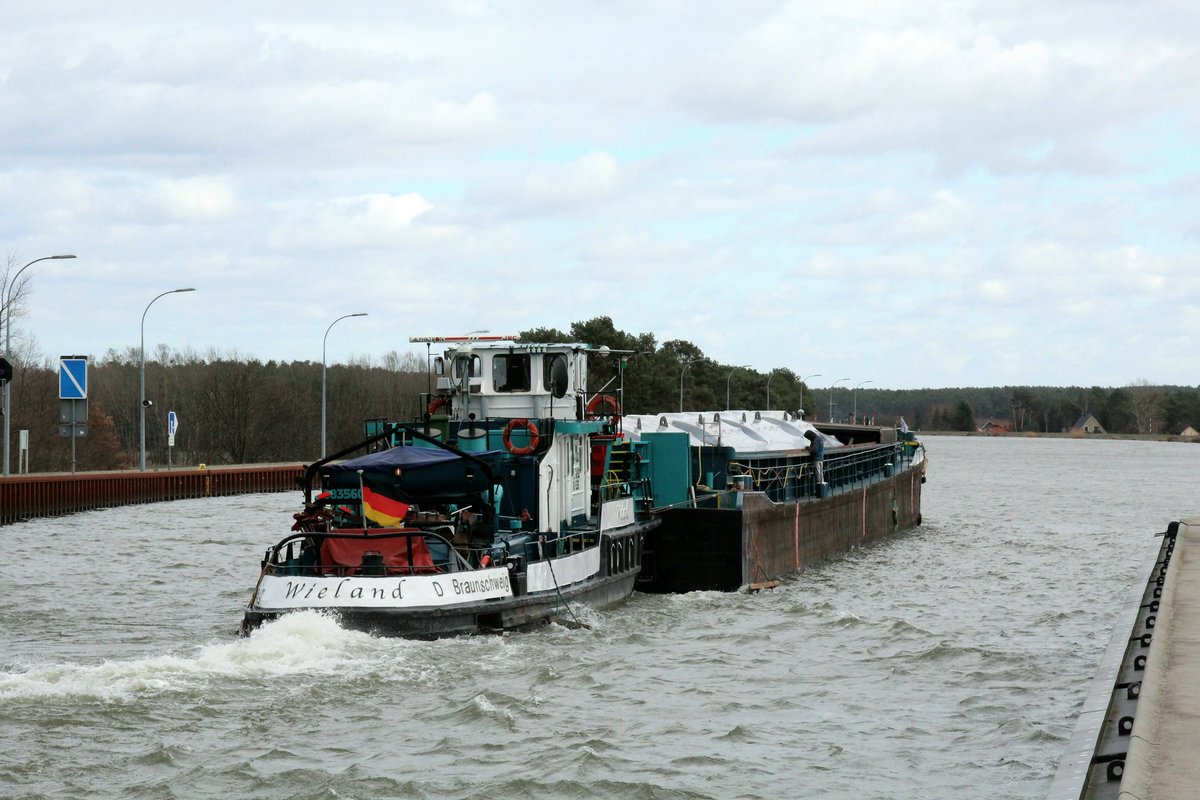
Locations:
column 72, row 378
column 172, row 423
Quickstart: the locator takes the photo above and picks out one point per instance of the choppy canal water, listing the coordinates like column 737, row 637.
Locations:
column 947, row 662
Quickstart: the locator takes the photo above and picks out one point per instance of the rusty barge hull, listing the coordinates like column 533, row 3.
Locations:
column 724, row 549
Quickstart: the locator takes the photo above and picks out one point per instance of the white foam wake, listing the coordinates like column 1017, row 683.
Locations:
column 305, row 643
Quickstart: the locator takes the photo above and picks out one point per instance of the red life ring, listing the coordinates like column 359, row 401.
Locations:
column 604, row 405
column 437, row 404
column 535, row 438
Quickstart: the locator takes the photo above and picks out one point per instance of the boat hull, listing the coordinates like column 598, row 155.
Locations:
column 618, row 558
column 724, row 549
column 487, row 616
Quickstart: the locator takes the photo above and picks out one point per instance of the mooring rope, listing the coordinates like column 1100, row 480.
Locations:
column 550, row 563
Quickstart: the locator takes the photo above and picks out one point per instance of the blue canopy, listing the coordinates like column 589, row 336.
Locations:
column 405, row 457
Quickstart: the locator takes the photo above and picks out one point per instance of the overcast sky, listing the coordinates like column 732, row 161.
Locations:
column 916, row 194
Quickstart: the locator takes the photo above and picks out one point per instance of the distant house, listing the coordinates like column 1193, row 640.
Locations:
column 1088, row 424
column 995, row 426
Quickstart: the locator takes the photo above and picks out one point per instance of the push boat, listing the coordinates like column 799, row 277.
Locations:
column 513, row 498
column 521, row 491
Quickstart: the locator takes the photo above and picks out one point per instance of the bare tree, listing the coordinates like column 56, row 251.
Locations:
column 13, row 293
column 1145, row 402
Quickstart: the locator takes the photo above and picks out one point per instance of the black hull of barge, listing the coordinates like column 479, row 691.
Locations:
column 487, row 616
column 724, row 549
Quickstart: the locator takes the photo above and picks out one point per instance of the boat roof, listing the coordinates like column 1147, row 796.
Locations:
column 403, row 457
column 473, row 342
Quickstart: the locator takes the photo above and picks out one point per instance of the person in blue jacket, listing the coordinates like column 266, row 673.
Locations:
column 816, row 446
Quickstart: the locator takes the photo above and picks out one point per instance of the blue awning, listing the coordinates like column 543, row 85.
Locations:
column 405, row 457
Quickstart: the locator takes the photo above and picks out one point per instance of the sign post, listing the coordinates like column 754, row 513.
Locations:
column 172, row 426
column 72, row 399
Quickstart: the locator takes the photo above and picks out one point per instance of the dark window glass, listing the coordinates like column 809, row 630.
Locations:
column 510, row 373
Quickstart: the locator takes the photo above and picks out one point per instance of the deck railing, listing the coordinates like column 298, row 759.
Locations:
column 791, row 478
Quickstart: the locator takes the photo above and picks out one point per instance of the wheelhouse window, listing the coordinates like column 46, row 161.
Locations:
column 466, row 366
column 548, row 362
column 510, row 372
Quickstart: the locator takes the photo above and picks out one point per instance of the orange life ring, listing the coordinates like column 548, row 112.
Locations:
column 596, row 407
column 437, row 404
column 535, row 438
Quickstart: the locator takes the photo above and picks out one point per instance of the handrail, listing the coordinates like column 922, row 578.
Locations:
column 796, row 477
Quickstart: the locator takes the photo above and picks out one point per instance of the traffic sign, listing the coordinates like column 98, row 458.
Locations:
column 172, row 423
column 72, row 378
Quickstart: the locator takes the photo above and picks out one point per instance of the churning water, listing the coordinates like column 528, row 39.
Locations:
column 947, row 662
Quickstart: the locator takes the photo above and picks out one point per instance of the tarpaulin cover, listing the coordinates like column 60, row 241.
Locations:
column 402, row 555
column 407, row 458
column 421, row 475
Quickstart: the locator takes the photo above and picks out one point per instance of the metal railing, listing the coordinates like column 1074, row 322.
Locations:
column 793, row 478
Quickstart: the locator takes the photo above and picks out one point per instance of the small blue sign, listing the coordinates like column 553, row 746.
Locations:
column 172, row 423
column 72, row 378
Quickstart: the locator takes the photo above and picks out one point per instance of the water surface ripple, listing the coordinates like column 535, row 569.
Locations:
column 947, row 662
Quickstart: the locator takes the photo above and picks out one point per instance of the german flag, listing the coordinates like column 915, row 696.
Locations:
column 384, row 511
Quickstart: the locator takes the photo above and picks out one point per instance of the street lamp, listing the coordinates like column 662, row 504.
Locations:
column 855, row 394
column 142, row 371
column 682, row 369
column 771, row 375
column 323, row 369
column 6, row 309
column 835, row 383
column 728, row 378
column 803, row 383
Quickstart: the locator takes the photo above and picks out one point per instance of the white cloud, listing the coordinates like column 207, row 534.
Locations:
column 198, row 199
column 350, row 223
column 588, row 180
column 994, row 290
column 926, row 194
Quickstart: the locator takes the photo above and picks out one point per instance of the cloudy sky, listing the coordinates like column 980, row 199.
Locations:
column 911, row 193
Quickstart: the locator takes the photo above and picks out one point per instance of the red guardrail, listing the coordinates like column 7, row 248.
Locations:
column 47, row 495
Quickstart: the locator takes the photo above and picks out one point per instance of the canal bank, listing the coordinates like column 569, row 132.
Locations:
column 1135, row 735
column 25, row 497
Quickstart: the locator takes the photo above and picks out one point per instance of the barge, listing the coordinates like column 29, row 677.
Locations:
column 523, row 489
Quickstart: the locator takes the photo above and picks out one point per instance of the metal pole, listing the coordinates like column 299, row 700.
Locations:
column 835, row 383
column 323, row 371
column 142, row 374
column 72, row 437
column 7, row 311
column 802, row 384
column 771, row 375
column 728, row 378
column 855, row 394
column 682, row 369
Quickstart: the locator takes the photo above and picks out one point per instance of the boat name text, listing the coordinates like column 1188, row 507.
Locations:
column 407, row 592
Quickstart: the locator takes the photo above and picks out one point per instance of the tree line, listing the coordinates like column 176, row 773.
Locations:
column 238, row 410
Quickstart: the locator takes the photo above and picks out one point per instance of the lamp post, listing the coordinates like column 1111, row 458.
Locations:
column 142, row 372
column 835, row 383
column 855, row 394
column 803, row 384
column 771, row 375
column 730, row 377
column 6, row 309
column 323, row 371
column 682, row 369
